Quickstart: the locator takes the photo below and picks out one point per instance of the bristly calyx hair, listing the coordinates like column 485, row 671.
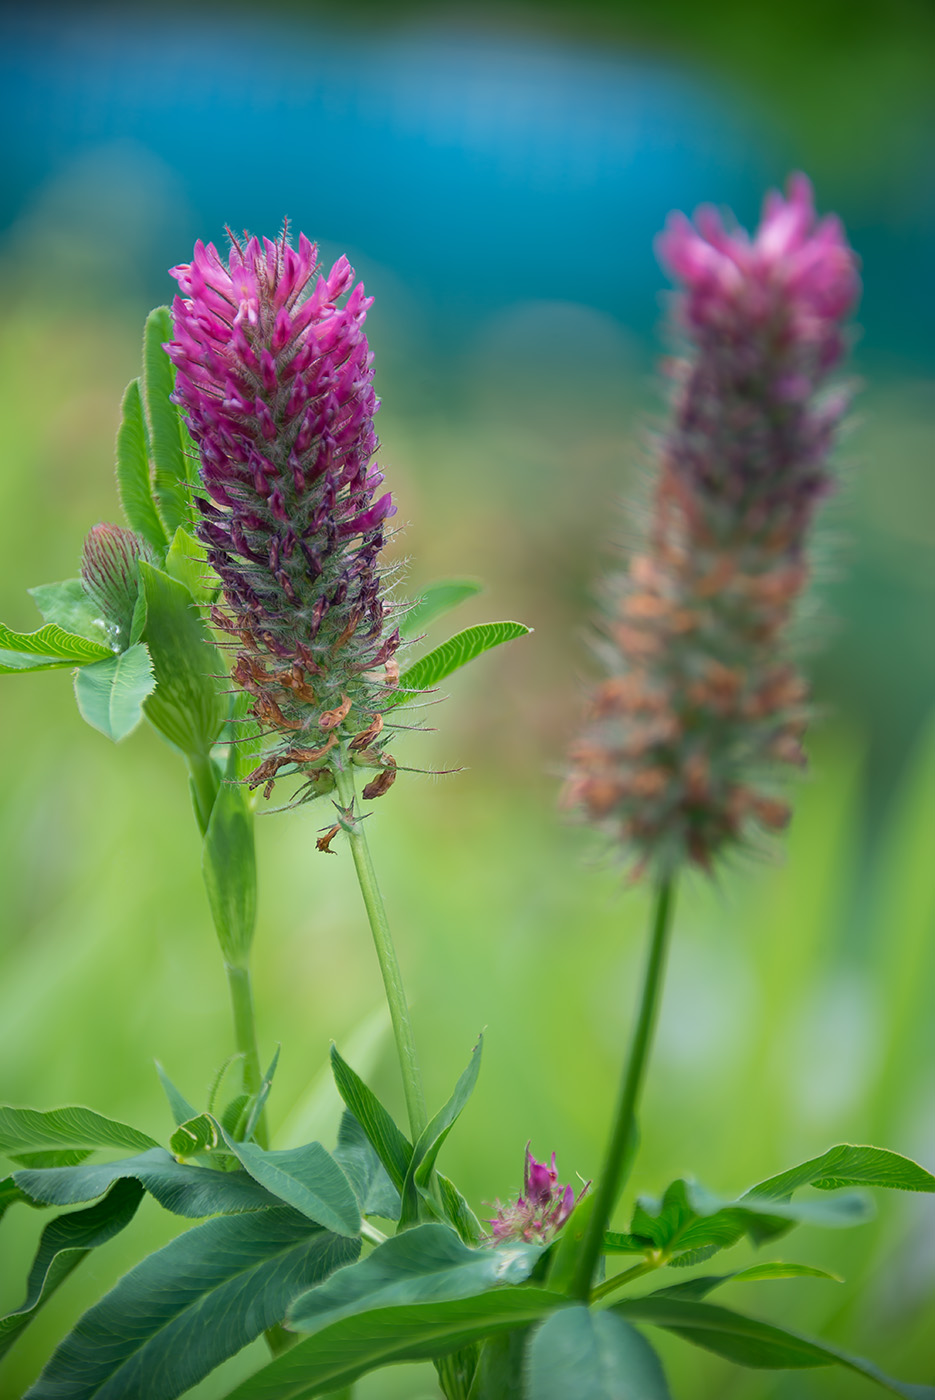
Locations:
column 703, row 706
column 274, row 375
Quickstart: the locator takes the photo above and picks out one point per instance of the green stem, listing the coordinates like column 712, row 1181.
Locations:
column 205, row 785
column 623, row 1136
column 383, row 942
column 612, row 1284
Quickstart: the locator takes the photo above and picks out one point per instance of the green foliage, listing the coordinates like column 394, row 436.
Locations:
column 187, row 706
column 376, row 1194
column 110, row 693
column 182, row 1189
column 190, row 1306
column 689, row 1224
column 592, row 1356
column 438, row 599
column 68, row 605
column 60, row 1130
column 258, row 1100
column 173, row 472
column 187, row 561
column 418, row 1181
column 306, row 1178
column 63, row 1245
column 564, row 1253
column 346, row 1350
column 134, row 481
column 180, row 1108
column 427, row 1264
column 228, row 864
column 460, row 649
column 48, row 649
column 750, row 1342
column 391, row 1146
column 847, row 1165
column 197, row 1135
column 774, row 1269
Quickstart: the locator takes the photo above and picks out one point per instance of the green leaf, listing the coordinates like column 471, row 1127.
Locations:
column 187, row 561
column 228, row 864
column 426, row 673
column 306, row 1178
column 68, row 605
column 419, row 1175
column 438, row 599
column 376, row 1194
column 234, row 1117
column 133, row 476
column 56, row 1157
column 428, row 1264
column 592, row 1356
column 391, row 1146
column 110, row 693
column 190, row 1306
column 750, row 1342
column 48, row 649
column 172, row 470
column 188, row 705
column 690, row 1223
column 615, row 1243
column 63, row 1244
column 181, row 1109
column 701, row 1287
column 348, row 1349
column 849, row 1165
column 564, row 1256
column 499, row 1373
column 457, row 1211
column 10, row 1194
column 29, row 1130
column 199, row 1134
column 259, row 1099
column 179, row 1187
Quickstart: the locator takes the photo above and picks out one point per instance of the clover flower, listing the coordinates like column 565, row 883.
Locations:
column 703, row 707
column 540, row 1212
column 274, row 376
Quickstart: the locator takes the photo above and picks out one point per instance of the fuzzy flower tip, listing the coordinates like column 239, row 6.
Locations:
column 540, row 1212
column 703, row 708
column 274, row 376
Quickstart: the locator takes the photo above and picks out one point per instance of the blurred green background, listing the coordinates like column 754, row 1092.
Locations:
column 497, row 176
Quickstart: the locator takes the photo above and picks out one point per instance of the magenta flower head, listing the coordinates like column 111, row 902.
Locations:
column 274, row 376
column 703, row 707
column 540, row 1212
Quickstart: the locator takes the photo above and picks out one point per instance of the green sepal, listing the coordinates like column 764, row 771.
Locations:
column 438, row 599
column 424, row 674
column 188, row 1307
column 134, row 482
column 110, row 694
column 62, row 1246
column 68, row 605
column 188, row 705
column 592, row 1356
column 49, row 648
column 228, row 865
column 750, row 1342
column 173, row 472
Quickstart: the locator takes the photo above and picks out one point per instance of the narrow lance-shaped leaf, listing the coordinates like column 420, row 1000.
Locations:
column 696, row 1288
column 229, row 868
column 426, row 673
column 188, row 706
column 179, row 1106
column 354, row 1153
column 110, row 693
column 31, row 1130
column 48, row 649
column 190, row 1306
column 438, row 599
column 592, row 1356
column 185, row 1190
column 350, row 1348
column 849, row 1165
column 133, row 474
column 426, row 1150
column 62, row 1246
column 306, row 1178
column 390, row 1144
column 163, row 423
column 750, row 1342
